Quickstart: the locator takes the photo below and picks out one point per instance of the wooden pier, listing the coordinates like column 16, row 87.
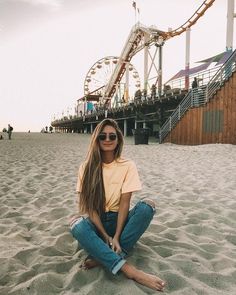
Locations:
column 146, row 113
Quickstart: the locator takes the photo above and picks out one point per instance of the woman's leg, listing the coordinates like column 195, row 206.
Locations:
column 85, row 232
column 143, row 278
column 138, row 221
column 109, row 221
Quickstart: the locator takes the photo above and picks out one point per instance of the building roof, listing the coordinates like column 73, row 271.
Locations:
column 219, row 59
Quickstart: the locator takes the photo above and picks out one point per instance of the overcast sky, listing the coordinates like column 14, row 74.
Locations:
column 48, row 46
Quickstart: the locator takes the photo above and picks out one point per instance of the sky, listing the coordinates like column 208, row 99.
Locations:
column 48, row 46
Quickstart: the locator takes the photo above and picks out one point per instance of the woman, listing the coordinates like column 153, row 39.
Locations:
column 106, row 229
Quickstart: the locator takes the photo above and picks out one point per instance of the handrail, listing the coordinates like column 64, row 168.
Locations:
column 221, row 75
column 203, row 78
column 199, row 96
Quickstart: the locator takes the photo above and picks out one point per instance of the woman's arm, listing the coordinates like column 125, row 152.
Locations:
column 122, row 216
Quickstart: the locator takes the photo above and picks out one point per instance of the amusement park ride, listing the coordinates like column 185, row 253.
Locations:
column 112, row 83
column 113, row 80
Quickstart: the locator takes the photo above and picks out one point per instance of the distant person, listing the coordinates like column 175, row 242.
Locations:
column 1, row 137
column 194, row 83
column 138, row 95
column 144, row 94
column 167, row 87
column 123, row 99
column 153, row 91
column 46, row 128
column 9, row 131
column 106, row 226
column 50, row 129
column 195, row 100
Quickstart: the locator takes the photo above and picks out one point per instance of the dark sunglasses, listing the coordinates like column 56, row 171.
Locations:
column 103, row 136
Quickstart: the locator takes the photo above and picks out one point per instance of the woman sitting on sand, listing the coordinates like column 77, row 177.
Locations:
column 106, row 229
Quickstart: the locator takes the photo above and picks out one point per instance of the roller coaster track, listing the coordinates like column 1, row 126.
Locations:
column 191, row 21
column 141, row 36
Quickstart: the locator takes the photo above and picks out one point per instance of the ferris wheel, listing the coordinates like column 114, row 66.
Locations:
column 99, row 75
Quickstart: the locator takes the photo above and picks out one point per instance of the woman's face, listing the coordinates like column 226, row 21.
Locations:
column 108, row 139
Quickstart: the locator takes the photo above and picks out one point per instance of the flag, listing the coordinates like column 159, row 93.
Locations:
column 134, row 5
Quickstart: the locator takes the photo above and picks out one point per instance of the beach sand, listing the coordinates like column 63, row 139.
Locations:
column 191, row 242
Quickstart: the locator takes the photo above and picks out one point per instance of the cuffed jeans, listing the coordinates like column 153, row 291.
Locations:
column 86, row 233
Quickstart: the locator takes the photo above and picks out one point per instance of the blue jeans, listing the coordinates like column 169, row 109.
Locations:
column 86, row 233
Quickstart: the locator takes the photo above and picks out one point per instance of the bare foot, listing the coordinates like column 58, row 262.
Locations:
column 143, row 278
column 89, row 263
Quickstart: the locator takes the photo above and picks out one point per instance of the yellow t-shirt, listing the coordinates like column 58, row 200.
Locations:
column 119, row 177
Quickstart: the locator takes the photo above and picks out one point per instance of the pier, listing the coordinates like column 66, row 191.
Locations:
column 149, row 112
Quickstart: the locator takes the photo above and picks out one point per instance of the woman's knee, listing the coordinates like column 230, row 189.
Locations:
column 80, row 229
column 148, row 207
column 150, row 203
column 77, row 230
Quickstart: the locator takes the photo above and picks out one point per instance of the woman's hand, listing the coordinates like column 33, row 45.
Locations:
column 116, row 245
column 108, row 240
column 113, row 243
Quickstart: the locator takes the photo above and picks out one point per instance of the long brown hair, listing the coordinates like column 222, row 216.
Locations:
column 92, row 196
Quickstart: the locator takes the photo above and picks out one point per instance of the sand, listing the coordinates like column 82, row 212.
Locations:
column 191, row 242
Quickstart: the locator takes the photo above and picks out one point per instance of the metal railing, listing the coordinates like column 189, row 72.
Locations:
column 203, row 77
column 221, row 76
column 199, row 96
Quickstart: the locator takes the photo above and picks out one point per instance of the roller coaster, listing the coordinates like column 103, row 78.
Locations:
column 105, row 89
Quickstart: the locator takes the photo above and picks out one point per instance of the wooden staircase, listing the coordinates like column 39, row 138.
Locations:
column 208, row 115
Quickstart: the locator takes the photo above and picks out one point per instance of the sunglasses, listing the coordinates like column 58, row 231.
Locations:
column 103, row 136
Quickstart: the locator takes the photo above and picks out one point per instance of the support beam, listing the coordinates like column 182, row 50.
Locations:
column 160, row 71
column 125, row 127
column 187, row 58
column 126, row 94
column 145, row 74
column 230, row 25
